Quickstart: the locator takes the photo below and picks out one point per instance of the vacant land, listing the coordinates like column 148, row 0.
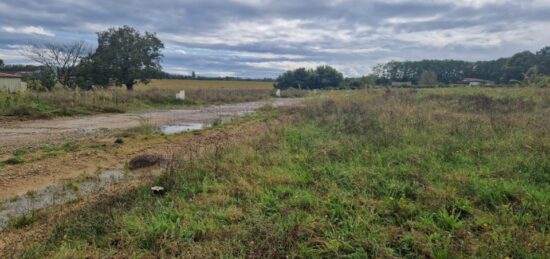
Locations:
column 29, row 157
column 175, row 84
column 158, row 94
column 431, row 173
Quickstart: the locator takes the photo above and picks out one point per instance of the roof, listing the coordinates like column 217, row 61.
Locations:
column 473, row 80
column 4, row 75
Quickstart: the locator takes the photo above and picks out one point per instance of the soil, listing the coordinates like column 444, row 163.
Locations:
column 26, row 134
column 95, row 143
column 179, row 147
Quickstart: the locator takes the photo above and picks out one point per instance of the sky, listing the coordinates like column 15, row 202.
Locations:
column 262, row 38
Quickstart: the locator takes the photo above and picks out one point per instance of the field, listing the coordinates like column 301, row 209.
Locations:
column 158, row 94
column 436, row 173
column 178, row 85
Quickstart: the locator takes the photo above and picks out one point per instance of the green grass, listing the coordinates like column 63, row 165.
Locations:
column 15, row 160
column 23, row 221
column 434, row 173
column 68, row 146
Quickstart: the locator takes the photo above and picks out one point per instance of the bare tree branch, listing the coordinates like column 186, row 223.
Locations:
column 61, row 58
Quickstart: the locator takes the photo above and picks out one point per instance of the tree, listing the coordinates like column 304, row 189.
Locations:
column 327, row 76
column 89, row 72
column 428, row 78
column 47, row 78
column 321, row 77
column 543, row 61
column 1, row 63
column 518, row 65
column 127, row 56
column 62, row 58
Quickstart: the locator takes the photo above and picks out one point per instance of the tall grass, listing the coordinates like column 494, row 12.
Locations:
column 431, row 173
column 178, row 85
column 66, row 103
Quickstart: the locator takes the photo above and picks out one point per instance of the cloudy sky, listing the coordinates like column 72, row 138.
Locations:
column 261, row 38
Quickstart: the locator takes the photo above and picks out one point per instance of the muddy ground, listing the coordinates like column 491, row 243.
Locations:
column 94, row 149
column 26, row 134
column 180, row 147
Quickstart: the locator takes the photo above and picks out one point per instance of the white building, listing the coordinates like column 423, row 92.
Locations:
column 477, row 82
column 11, row 83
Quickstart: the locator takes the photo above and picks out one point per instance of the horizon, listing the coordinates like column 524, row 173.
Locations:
column 261, row 38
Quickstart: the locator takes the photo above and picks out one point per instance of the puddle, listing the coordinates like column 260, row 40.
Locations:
column 179, row 128
column 56, row 195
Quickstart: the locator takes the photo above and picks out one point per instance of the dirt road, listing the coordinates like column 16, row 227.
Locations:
column 41, row 169
column 40, row 132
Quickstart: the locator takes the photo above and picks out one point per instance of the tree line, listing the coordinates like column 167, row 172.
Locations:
column 502, row 71
column 318, row 78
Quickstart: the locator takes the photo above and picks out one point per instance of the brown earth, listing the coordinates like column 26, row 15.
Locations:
column 25, row 134
column 96, row 150
column 181, row 147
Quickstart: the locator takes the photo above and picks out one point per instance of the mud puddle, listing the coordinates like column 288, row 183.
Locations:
column 180, row 128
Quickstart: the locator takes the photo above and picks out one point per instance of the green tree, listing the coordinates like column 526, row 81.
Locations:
column 127, row 56
column 1, row 63
column 428, row 78
column 321, row 77
column 518, row 65
column 327, row 76
column 543, row 61
column 47, row 78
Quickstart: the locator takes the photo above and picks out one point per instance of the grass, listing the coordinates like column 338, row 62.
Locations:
column 15, row 160
column 433, row 173
column 159, row 94
column 23, row 221
column 186, row 85
column 145, row 128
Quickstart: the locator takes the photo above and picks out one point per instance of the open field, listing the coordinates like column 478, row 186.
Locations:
column 175, row 84
column 434, row 173
column 159, row 94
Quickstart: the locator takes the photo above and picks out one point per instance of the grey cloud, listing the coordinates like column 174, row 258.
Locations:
column 353, row 35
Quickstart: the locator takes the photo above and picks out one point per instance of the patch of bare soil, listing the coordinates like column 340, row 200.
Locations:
column 26, row 134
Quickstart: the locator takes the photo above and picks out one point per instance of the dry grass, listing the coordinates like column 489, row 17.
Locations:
column 158, row 94
column 175, row 84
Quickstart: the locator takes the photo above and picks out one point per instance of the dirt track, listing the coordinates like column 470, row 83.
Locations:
column 39, row 132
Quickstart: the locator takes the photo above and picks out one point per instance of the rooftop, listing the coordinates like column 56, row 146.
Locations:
column 4, row 75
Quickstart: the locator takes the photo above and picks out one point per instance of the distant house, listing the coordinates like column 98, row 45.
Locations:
column 400, row 84
column 477, row 82
column 11, row 83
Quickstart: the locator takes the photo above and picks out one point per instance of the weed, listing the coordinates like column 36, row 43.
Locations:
column 23, row 221
column 14, row 161
column 145, row 128
column 73, row 186
column 20, row 152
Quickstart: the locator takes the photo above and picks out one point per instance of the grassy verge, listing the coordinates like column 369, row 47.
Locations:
column 438, row 174
column 68, row 103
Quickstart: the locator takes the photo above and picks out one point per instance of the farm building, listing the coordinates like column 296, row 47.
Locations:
column 12, row 83
column 477, row 82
